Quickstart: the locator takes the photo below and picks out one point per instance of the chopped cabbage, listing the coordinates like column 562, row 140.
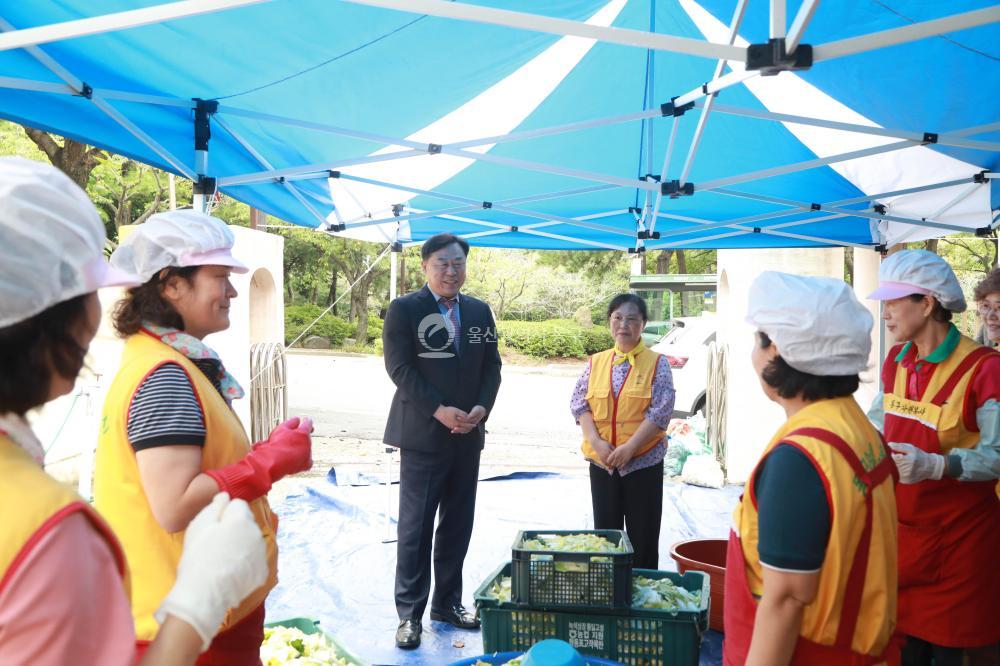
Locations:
column 660, row 594
column 287, row 646
column 572, row 543
column 516, row 661
column 663, row 594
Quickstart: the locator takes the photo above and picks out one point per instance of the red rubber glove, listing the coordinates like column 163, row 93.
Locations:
column 286, row 451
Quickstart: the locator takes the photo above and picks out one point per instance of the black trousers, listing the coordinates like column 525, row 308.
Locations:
column 918, row 652
column 443, row 483
column 633, row 502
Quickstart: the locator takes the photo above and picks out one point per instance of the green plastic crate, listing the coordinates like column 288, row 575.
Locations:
column 309, row 626
column 638, row 637
column 553, row 578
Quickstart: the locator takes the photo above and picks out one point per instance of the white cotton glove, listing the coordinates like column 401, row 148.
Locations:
column 916, row 465
column 223, row 561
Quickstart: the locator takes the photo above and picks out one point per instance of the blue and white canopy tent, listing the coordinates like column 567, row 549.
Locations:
column 588, row 124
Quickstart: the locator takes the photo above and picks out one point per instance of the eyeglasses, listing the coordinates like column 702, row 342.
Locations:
column 443, row 266
column 985, row 310
column 628, row 321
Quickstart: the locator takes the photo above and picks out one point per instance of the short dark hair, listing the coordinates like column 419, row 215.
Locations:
column 990, row 285
column 435, row 243
column 145, row 303
column 939, row 313
column 31, row 350
column 622, row 299
column 791, row 383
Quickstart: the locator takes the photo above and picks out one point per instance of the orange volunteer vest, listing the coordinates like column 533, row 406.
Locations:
column 618, row 417
column 152, row 552
column 852, row 618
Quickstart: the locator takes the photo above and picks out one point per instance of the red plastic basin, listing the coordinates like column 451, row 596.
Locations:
column 709, row 556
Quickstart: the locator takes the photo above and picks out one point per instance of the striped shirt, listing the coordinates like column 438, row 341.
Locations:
column 165, row 410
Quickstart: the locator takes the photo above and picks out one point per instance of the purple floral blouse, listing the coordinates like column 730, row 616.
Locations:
column 660, row 408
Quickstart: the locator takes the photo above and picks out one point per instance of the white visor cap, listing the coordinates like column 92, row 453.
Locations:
column 53, row 241
column 176, row 238
column 919, row 272
column 817, row 323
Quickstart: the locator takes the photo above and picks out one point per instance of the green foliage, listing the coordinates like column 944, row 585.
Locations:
column 374, row 328
column 545, row 339
column 597, row 339
column 297, row 317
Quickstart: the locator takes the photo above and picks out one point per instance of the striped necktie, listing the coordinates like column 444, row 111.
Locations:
column 453, row 318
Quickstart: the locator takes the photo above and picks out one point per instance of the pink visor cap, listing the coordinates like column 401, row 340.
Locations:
column 888, row 291
column 218, row 257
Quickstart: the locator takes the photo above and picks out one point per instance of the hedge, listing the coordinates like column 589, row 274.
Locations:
column 334, row 329
column 553, row 338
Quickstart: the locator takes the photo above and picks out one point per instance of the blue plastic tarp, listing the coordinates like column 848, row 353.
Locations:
column 334, row 566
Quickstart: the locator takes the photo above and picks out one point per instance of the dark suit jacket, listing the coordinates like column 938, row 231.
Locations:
column 427, row 372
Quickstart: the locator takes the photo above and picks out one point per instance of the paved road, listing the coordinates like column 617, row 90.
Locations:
column 349, row 397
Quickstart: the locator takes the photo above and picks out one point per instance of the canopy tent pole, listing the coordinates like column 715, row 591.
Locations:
column 897, row 193
column 778, row 19
column 494, row 206
column 564, row 27
column 479, row 206
column 799, row 24
column 313, row 171
column 204, row 188
column 734, row 28
column 667, row 155
column 51, row 88
column 292, row 189
column 85, row 90
column 95, row 25
column 906, row 33
column 856, row 213
column 945, row 139
column 804, row 166
column 744, row 230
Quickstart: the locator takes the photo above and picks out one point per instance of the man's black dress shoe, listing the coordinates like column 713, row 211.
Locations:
column 408, row 634
column 457, row 616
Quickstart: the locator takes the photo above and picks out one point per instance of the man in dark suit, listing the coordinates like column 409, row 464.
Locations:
column 440, row 350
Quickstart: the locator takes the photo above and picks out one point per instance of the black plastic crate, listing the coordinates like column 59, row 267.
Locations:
column 551, row 578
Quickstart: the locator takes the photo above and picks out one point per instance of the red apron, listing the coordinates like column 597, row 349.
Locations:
column 741, row 607
column 949, row 541
column 237, row 646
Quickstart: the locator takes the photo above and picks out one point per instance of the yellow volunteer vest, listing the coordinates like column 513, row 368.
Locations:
column 152, row 552
column 947, row 419
column 34, row 503
column 821, row 620
column 617, row 420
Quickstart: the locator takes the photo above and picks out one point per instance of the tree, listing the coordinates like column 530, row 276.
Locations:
column 499, row 277
column 73, row 158
column 356, row 260
column 121, row 187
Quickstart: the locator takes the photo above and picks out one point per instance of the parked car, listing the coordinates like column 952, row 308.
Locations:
column 686, row 349
column 654, row 331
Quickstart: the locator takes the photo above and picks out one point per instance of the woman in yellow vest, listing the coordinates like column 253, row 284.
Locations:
column 811, row 563
column 940, row 414
column 623, row 402
column 63, row 576
column 170, row 440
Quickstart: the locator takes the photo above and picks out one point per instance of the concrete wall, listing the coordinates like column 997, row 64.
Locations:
column 753, row 419
column 70, row 424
